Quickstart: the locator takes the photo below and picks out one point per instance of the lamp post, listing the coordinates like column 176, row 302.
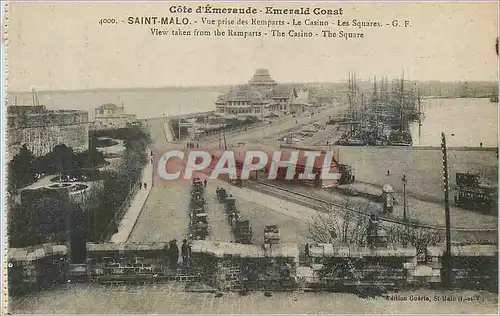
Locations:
column 447, row 260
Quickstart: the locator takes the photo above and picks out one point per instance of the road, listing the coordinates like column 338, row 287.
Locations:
column 165, row 213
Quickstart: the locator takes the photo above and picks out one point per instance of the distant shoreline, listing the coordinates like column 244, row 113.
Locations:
column 225, row 86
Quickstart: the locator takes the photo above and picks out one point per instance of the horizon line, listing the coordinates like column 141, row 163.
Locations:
column 228, row 84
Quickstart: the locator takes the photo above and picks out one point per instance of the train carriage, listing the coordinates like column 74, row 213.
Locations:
column 473, row 195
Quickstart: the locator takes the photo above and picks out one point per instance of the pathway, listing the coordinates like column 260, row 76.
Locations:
column 128, row 221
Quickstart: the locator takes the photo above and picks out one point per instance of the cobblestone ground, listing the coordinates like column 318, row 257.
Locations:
column 171, row 298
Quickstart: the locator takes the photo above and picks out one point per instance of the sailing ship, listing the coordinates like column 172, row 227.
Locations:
column 382, row 120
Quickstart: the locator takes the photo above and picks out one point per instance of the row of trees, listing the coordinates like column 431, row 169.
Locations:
column 104, row 207
column 46, row 220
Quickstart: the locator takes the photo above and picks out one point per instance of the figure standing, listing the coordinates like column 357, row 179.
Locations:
column 140, row 185
column 205, row 183
column 145, row 185
column 185, row 252
column 174, row 254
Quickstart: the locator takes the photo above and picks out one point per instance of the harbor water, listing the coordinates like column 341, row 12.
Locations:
column 467, row 122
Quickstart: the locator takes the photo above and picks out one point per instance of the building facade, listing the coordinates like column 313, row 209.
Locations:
column 261, row 97
column 111, row 116
column 42, row 129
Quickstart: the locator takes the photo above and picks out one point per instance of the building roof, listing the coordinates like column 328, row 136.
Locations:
column 242, row 93
column 262, row 77
column 247, row 93
column 283, row 91
column 107, row 106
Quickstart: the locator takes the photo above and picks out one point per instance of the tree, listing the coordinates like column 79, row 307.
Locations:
column 64, row 156
column 340, row 226
column 21, row 170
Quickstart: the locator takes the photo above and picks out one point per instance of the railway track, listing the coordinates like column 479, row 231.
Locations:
column 483, row 235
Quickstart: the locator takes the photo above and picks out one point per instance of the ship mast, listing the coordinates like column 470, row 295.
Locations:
column 402, row 100
column 34, row 96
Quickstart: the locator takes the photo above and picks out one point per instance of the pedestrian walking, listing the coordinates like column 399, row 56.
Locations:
column 185, row 251
column 145, row 185
column 307, row 251
column 205, row 183
column 140, row 185
column 388, row 173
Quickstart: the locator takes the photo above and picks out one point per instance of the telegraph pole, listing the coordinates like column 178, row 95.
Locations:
column 404, row 198
column 447, row 256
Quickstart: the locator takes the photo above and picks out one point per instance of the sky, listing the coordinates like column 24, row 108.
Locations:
column 61, row 46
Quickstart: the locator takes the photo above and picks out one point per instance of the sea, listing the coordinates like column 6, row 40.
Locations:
column 467, row 122
column 145, row 103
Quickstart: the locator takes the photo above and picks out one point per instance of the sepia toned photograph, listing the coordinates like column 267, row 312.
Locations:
column 250, row 157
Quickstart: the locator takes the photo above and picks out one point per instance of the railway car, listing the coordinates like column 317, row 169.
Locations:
column 475, row 198
column 471, row 194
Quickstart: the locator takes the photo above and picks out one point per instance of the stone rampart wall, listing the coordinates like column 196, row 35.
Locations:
column 44, row 131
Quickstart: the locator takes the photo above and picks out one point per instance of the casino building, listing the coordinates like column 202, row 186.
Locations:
column 261, row 97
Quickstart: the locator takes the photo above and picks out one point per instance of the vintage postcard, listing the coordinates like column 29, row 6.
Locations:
column 250, row 158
